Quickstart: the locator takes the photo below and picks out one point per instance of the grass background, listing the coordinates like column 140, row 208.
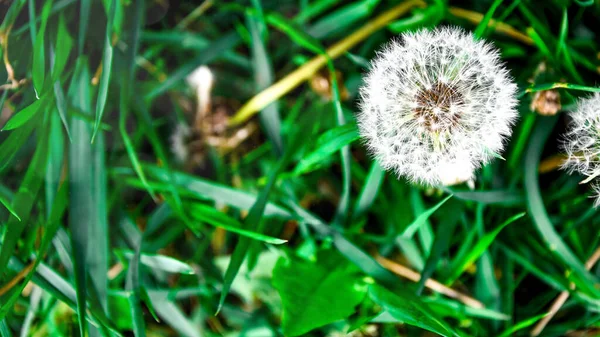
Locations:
column 295, row 230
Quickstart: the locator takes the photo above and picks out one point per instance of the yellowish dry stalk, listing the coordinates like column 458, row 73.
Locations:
column 307, row 70
column 432, row 284
column 20, row 276
column 499, row 27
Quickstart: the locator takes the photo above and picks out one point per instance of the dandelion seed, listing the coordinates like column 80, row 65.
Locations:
column 436, row 106
column 582, row 143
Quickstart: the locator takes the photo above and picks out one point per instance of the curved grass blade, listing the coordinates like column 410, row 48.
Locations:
column 537, row 210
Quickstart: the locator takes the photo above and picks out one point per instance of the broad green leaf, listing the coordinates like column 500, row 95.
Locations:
column 317, row 293
column 23, row 116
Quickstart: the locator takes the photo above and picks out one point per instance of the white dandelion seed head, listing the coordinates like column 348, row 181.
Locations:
column 581, row 143
column 436, row 106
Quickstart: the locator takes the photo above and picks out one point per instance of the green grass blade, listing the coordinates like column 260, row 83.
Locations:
column 84, row 14
column 61, row 106
column 215, row 218
column 482, row 26
column 7, row 205
column 107, row 56
column 460, row 264
column 64, row 44
column 263, row 77
column 422, row 219
column 521, row 325
column 209, row 190
column 24, row 201
column 39, row 51
column 328, row 143
column 370, row 190
column 440, row 244
column 252, row 222
column 82, row 208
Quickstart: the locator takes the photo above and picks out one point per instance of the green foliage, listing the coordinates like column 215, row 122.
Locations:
column 276, row 223
column 317, row 293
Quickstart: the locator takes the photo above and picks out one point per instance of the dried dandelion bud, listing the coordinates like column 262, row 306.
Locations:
column 546, row 102
column 582, row 143
column 201, row 80
column 436, row 105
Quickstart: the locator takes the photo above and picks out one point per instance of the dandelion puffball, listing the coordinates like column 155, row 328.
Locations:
column 582, row 142
column 436, row 106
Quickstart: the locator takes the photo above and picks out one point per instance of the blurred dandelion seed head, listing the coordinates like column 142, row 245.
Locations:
column 436, row 105
column 582, row 143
